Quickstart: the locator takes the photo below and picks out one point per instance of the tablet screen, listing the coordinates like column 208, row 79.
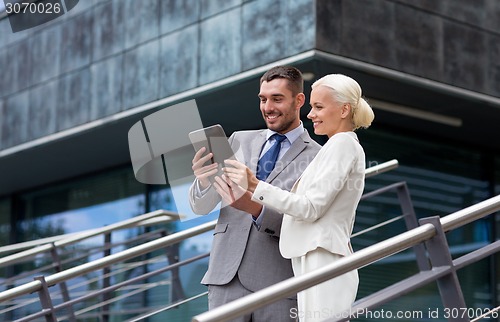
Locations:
column 214, row 140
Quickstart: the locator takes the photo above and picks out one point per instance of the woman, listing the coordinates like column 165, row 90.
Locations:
column 320, row 209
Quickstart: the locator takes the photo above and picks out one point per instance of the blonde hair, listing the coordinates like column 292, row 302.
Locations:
column 347, row 91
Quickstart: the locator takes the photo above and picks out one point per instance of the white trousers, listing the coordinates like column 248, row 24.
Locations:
column 328, row 299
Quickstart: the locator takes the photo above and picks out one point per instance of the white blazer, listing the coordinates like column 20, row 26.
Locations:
column 319, row 211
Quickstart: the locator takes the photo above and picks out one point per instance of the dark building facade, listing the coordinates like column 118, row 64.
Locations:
column 70, row 90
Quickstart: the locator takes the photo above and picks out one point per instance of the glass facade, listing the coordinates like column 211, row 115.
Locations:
column 191, row 274
column 5, row 221
column 496, row 276
column 441, row 178
column 107, row 62
column 79, row 205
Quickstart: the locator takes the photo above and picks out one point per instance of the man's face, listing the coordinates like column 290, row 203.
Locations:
column 279, row 106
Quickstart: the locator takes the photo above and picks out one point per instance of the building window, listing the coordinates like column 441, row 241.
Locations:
column 79, row 205
column 442, row 178
column 5, row 216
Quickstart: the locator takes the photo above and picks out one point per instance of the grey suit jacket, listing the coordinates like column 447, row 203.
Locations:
column 238, row 246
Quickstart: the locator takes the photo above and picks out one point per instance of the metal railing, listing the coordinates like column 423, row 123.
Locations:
column 46, row 244
column 37, row 285
column 431, row 231
column 41, row 284
column 381, row 168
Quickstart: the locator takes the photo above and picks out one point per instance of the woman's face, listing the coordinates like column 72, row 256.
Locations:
column 328, row 115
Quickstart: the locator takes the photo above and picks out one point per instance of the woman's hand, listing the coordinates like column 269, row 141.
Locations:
column 236, row 196
column 228, row 190
column 240, row 174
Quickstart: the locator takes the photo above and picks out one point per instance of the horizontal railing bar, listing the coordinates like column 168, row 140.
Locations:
column 296, row 284
column 356, row 260
column 108, row 260
column 414, row 282
column 470, row 214
column 381, row 168
column 138, row 238
column 11, row 259
column 115, row 287
column 110, row 274
column 125, row 295
column 154, row 221
column 396, row 290
column 84, row 310
column 153, row 245
column 47, row 240
column 27, row 288
column 146, row 219
column 129, row 253
column 33, row 316
column 382, row 190
column 27, row 276
column 34, row 286
column 92, row 307
column 384, row 223
column 33, row 243
column 93, row 251
column 14, row 305
column 377, row 192
column 171, row 306
column 130, row 281
column 477, row 255
column 487, row 314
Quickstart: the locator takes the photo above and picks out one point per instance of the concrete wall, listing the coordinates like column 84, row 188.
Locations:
column 454, row 41
column 104, row 57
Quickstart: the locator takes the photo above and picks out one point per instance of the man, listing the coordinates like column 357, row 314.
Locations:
column 245, row 255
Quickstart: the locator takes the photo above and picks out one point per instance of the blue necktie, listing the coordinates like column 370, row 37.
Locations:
column 268, row 160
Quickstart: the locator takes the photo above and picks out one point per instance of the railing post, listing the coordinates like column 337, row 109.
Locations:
column 106, row 280
column 64, row 289
column 411, row 222
column 176, row 285
column 46, row 301
column 439, row 255
column 9, row 272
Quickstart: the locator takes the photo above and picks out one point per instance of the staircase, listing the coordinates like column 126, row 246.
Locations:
column 87, row 277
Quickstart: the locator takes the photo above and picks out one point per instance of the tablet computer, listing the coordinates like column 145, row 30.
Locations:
column 214, row 140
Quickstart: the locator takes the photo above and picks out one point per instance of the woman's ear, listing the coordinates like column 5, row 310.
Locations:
column 346, row 109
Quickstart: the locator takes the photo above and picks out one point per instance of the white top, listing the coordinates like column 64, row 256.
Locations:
column 320, row 209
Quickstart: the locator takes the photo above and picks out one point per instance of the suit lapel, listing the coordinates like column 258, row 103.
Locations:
column 255, row 149
column 297, row 147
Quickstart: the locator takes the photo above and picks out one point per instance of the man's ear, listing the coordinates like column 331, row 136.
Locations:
column 300, row 99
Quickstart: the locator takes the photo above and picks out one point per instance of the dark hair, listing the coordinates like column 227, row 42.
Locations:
column 292, row 74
